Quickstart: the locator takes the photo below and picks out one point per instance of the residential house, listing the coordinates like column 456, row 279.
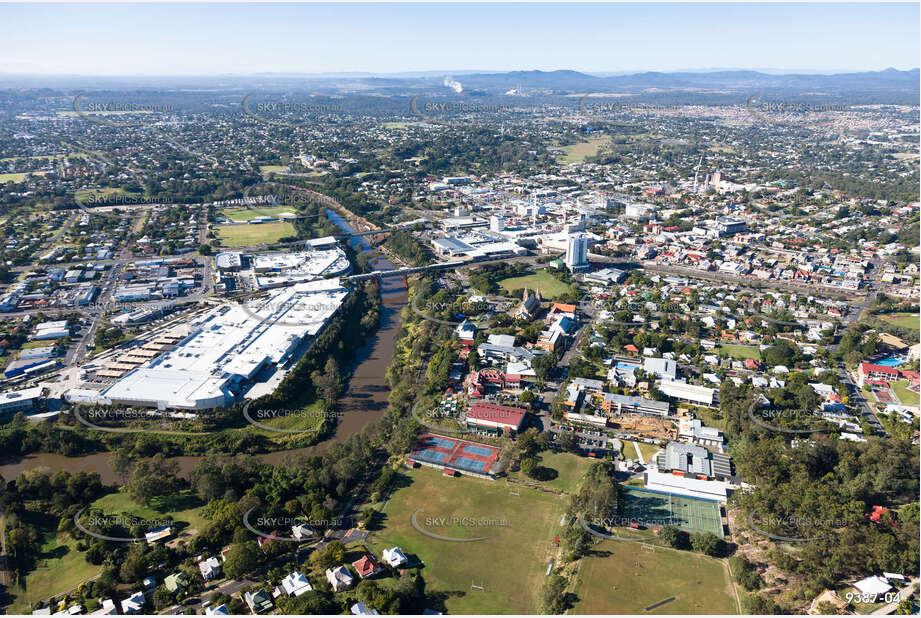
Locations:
column 339, row 578
column 295, row 584
column 360, row 609
column 210, row 568
column 133, row 604
column 395, row 557
column 259, row 601
column 367, row 566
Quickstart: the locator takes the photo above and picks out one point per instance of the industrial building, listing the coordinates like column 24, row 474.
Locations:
column 217, row 361
column 278, row 269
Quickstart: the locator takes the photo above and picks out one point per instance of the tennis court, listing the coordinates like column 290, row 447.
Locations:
column 651, row 508
column 482, row 451
column 455, row 454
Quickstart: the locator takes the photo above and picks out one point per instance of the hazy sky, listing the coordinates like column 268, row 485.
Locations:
column 189, row 39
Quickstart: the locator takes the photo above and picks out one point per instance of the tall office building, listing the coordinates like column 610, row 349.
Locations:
column 577, row 252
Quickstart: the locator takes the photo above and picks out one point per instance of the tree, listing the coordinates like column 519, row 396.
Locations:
column 529, row 466
column 331, row 555
column 706, row 543
column 905, row 608
column 204, row 249
column 671, row 536
column 552, row 595
column 542, row 365
column 568, row 441
column 757, row 604
column 242, row 559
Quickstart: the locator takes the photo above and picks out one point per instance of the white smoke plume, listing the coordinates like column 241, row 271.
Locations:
column 455, row 85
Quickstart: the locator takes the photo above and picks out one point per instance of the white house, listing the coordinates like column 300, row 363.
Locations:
column 360, row 609
column 302, row 532
column 339, row 578
column 873, row 585
column 395, row 557
column 295, row 584
column 210, row 568
column 133, row 604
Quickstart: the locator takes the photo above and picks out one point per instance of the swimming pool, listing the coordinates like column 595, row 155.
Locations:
column 628, row 366
column 892, row 361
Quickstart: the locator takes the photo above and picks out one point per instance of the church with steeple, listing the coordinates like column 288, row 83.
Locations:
column 529, row 306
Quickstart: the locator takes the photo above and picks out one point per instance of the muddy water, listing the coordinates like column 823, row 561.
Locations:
column 364, row 401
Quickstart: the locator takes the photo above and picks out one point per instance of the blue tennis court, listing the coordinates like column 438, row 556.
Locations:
column 432, row 455
column 471, row 464
column 482, row 451
column 442, row 442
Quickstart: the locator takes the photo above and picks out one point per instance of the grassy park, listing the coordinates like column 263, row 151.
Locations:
column 246, row 214
column 904, row 320
column 623, row 577
column 566, row 470
column 254, row 233
column 59, row 567
column 740, row 352
column 509, row 564
column 578, row 153
column 906, row 397
column 550, row 287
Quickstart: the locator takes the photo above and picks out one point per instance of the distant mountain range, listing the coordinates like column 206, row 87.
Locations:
column 888, row 86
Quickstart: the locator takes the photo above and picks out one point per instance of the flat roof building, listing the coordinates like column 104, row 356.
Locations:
column 682, row 391
column 228, row 346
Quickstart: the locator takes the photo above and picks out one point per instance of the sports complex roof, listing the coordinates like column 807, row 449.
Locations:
column 229, row 346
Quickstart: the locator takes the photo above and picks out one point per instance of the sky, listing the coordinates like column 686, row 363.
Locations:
column 217, row 39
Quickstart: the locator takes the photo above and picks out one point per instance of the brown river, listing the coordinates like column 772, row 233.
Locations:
column 364, row 401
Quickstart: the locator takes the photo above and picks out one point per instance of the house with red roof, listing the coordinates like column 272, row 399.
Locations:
column 367, row 566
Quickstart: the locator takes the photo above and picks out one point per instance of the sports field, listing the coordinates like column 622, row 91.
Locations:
column 550, row 286
column 509, row 563
column 620, row 577
column 565, row 470
column 254, row 233
column 246, row 214
column 905, row 320
column 578, row 153
column 741, row 351
column 906, row 397
column 654, row 508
